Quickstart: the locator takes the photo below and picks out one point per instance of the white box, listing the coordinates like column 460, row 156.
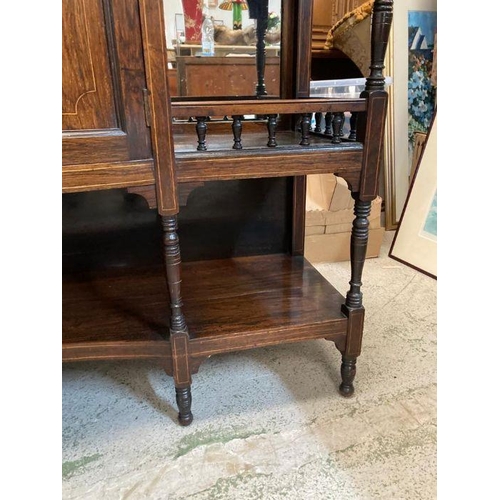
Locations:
column 347, row 88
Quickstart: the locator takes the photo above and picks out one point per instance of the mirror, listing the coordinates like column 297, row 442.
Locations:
column 243, row 60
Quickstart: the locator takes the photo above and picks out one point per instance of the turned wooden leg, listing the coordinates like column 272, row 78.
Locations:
column 353, row 307
column 183, row 398
column 359, row 242
column 348, row 372
column 179, row 335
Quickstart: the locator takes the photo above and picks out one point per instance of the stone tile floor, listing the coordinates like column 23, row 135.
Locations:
column 269, row 423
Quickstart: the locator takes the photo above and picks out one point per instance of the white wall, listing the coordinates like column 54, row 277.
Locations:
column 171, row 7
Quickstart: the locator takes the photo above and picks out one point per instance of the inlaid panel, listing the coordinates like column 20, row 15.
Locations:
column 87, row 90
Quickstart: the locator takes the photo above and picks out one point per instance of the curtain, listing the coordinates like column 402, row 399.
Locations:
column 193, row 18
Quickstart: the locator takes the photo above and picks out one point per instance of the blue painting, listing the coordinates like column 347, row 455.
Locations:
column 430, row 225
column 422, row 27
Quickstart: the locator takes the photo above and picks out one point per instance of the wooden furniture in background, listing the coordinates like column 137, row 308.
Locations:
column 222, row 50
column 243, row 282
column 224, row 76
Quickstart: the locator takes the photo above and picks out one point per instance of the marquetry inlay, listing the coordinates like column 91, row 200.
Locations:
column 78, row 69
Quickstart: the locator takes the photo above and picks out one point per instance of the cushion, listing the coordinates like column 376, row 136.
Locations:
column 351, row 35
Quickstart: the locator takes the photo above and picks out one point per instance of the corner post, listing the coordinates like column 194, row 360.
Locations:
column 353, row 307
column 179, row 336
column 372, row 138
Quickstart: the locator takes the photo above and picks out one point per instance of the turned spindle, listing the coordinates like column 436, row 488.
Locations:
column 353, row 123
column 259, row 10
column 237, row 127
column 179, row 336
column 272, row 121
column 260, row 88
column 381, row 26
column 305, row 123
column 172, row 255
column 338, row 123
column 328, row 123
column 201, row 132
column 318, row 117
column 359, row 242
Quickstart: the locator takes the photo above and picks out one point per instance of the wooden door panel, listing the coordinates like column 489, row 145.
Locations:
column 103, row 83
column 87, row 93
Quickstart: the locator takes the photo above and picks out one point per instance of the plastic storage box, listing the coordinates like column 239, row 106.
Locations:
column 348, row 88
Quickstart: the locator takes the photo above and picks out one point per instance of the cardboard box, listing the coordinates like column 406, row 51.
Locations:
column 318, row 217
column 320, row 188
column 315, row 230
column 329, row 219
column 336, row 247
column 341, row 196
column 346, row 227
column 328, row 192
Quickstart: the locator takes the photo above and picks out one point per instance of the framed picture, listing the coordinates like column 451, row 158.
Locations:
column 415, row 241
column 410, row 58
column 180, row 33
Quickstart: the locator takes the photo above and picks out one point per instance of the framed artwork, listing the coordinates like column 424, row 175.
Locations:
column 410, row 60
column 415, row 241
column 180, row 33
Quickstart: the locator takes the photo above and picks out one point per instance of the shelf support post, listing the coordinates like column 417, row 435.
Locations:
column 353, row 307
column 179, row 335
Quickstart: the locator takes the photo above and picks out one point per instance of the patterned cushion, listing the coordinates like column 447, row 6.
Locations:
column 351, row 35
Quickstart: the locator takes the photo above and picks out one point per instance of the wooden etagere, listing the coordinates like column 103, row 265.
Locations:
column 127, row 293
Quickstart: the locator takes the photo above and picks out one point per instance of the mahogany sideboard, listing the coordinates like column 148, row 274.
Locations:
column 147, row 176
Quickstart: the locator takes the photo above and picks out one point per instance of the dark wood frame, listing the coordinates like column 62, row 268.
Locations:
column 214, row 320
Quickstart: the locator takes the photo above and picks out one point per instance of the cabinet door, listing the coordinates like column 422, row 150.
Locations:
column 115, row 100
column 103, row 113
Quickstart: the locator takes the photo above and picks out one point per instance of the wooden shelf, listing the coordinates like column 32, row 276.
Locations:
column 256, row 160
column 230, row 304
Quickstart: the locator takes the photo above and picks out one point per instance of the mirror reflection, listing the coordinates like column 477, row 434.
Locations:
column 223, row 48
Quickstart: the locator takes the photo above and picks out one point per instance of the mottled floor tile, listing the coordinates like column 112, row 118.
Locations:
column 269, row 423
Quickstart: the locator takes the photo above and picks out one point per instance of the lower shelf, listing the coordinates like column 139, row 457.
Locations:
column 229, row 304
